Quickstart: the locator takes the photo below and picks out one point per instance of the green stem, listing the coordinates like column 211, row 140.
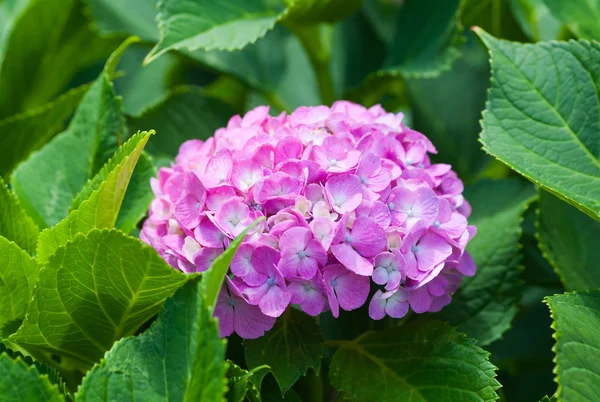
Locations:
column 316, row 40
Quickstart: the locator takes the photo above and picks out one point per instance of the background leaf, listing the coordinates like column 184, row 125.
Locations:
column 20, row 382
column 294, row 345
column 179, row 358
column 242, row 386
column 569, row 240
column 581, row 16
column 546, row 127
column 425, row 362
column 15, row 224
column 576, row 320
column 486, row 303
column 93, row 291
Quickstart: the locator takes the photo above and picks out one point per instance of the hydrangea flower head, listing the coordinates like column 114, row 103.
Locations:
column 355, row 213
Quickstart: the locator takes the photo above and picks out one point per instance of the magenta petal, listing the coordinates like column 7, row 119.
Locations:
column 205, row 257
column 263, row 259
column 187, row 211
column 249, row 322
column 352, row 290
column 208, row 235
column 466, row 265
column 432, row 250
column 344, row 192
column 420, row 300
column 275, row 301
column 351, row 259
column 377, row 306
column 368, row 238
column 397, row 303
column 245, row 173
column 295, row 240
column 225, row 313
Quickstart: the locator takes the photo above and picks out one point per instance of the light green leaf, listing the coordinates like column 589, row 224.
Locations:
column 114, row 17
column 418, row 362
column 20, row 382
column 212, row 25
column 569, row 240
column 542, row 116
column 99, row 203
column 535, row 19
column 27, row 132
column 576, row 322
column 313, row 11
column 486, row 303
column 43, row 60
column 427, row 39
column 242, row 386
column 186, row 113
column 18, row 274
column 47, row 182
column 138, row 195
column 294, row 345
column 180, row 358
column 93, row 291
column 581, row 16
column 15, row 224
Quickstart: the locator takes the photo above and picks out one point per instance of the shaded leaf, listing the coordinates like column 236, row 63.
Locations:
column 535, row 19
column 420, row 362
column 242, row 386
column 93, row 291
column 569, row 240
column 99, row 203
column 545, row 126
column 576, row 321
column 294, row 345
column 20, row 382
column 24, row 133
column 486, row 303
column 15, row 224
column 581, row 16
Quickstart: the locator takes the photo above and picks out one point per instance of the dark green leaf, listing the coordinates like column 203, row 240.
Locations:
column 418, row 362
column 576, row 322
column 486, row 304
column 545, row 126
column 581, row 16
column 15, row 224
column 180, row 358
column 493, row 16
column 99, row 203
column 294, row 345
column 18, row 274
column 39, row 63
column 241, row 383
column 569, row 240
column 27, row 132
column 93, row 291
column 48, row 181
column 313, row 11
column 20, row 382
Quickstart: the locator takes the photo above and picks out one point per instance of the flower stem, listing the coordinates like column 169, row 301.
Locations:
column 316, row 40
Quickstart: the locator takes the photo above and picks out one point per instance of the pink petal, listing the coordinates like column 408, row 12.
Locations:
column 344, row 192
column 351, row 259
column 397, row 303
column 205, row 257
column 208, row 235
column 420, row 300
column 218, row 169
column 245, row 173
column 233, row 217
column 275, row 301
column 295, row 240
column 466, row 265
column 324, row 230
column 263, row 259
column 368, row 238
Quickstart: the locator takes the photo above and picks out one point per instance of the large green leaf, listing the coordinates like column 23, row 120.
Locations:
column 15, row 224
column 93, row 291
column 43, row 60
column 47, row 182
column 576, row 321
column 20, row 382
column 186, row 113
column 542, row 116
column 99, row 203
column 294, row 345
column 486, row 303
column 417, row 362
column 18, row 274
column 24, row 133
column 179, row 358
column 581, row 16
column 569, row 240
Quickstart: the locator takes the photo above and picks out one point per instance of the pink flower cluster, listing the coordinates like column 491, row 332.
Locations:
column 349, row 196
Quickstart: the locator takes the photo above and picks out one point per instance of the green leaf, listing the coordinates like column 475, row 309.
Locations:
column 186, row 113
column 39, row 63
column 47, row 182
column 15, row 224
column 495, row 17
column 450, row 121
column 242, row 386
column 569, row 240
column 180, row 358
column 427, row 39
column 27, row 132
column 213, row 25
column 486, row 303
column 417, row 362
column 20, row 382
column 535, row 19
column 314, row 11
column 545, row 126
column 93, row 291
column 576, row 321
column 99, row 209
column 18, row 274
column 581, row 16
column 294, row 345
column 138, row 196
column 546, row 398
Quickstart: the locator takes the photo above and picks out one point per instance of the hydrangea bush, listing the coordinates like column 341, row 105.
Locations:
column 369, row 234
column 349, row 197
